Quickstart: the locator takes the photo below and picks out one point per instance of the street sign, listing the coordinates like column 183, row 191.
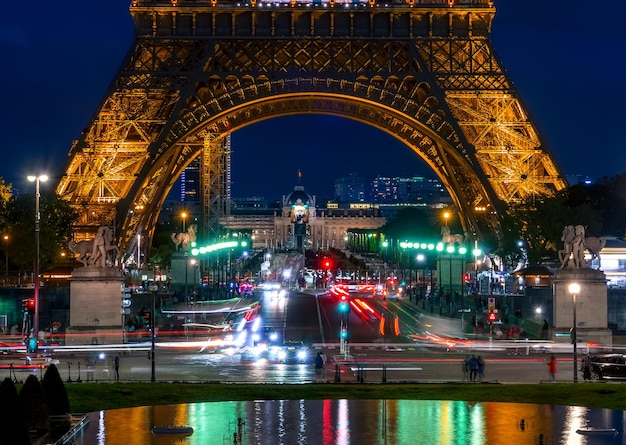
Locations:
column 491, row 303
column 125, row 311
column 126, row 303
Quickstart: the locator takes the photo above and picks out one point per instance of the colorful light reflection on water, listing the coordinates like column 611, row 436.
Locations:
column 344, row 422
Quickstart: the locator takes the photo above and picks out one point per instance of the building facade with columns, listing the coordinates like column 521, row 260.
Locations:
column 299, row 224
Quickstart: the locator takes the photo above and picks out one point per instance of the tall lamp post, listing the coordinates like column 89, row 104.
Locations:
column 184, row 218
column 36, row 180
column 574, row 289
column 6, row 258
column 153, row 287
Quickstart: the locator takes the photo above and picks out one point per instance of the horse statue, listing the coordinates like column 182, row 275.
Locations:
column 574, row 244
column 82, row 248
column 97, row 252
column 185, row 238
column 594, row 245
column 447, row 238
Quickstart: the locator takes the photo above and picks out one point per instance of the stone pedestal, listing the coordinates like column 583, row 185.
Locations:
column 96, row 306
column 591, row 305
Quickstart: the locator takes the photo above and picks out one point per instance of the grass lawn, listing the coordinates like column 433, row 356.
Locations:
column 102, row 396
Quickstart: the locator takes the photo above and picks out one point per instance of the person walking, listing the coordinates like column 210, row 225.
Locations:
column 473, row 368
column 481, row 368
column 319, row 367
column 465, row 368
column 552, row 368
column 116, row 367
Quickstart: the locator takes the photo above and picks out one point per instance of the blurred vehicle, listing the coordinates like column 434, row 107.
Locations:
column 273, row 290
column 608, row 366
column 294, row 353
column 246, row 288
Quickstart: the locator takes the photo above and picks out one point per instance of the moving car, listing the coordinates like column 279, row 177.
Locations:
column 608, row 366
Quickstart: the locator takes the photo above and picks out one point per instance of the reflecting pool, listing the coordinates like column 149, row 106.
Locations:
column 343, row 422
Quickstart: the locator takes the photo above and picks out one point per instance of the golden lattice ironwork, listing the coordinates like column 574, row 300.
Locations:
column 422, row 71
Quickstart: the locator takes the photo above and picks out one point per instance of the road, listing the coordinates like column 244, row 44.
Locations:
column 314, row 320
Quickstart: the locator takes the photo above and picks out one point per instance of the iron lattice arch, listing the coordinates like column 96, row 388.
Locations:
column 425, row 74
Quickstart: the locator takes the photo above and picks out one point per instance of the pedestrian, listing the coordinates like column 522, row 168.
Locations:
column 90, row 369
column 552, row 367
column 473, row 368
column 319, row 367
column 585, row 368
column 465, row 367
column 481, row 368
column 116, row 367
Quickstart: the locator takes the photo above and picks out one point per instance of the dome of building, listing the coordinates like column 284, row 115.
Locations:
column 299, row 197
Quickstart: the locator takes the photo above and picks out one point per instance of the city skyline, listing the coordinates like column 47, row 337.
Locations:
column 62, row 57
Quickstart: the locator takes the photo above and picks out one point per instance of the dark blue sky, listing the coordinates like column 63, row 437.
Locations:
column 565, row 58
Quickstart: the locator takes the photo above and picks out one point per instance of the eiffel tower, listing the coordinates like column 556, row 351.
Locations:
column 423, row 71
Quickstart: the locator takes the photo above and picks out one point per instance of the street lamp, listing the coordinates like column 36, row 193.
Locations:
column 6, row 258
column 446, row 216
column 36, row 180
column 194, row 265
column 184, row 217
column 574, row 289
column 153, row 287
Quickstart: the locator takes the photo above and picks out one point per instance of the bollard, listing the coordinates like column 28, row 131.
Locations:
column 360, row 374
column 384, row 373
column 337, row 374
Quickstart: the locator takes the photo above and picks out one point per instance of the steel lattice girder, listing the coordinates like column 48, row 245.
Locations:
column 427, row 76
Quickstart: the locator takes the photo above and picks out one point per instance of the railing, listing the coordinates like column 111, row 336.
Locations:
column 312, row 3
column 76, row 430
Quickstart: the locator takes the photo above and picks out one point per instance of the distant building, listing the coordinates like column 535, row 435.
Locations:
column 578, row 179
column 299, row 224
column 410, row 190
column 350, row 189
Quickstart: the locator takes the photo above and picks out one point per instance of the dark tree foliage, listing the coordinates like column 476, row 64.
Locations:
column 539, row 223
column 57, row 401
column 34, row 406
column 54, row 389
column 414, row 224
column 13, row 429
column 56, row 227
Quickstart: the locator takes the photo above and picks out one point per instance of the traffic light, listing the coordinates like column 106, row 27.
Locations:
column 326, row 264
column 29, row 305
column 343, row 307
column 344, row 333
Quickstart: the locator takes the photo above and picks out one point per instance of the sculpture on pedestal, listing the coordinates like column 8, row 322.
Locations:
column 448, row 238
column 98, row 252
column 572, row 256
column 185, row 238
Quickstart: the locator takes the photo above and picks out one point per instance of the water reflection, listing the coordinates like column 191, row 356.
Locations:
column 344, row 422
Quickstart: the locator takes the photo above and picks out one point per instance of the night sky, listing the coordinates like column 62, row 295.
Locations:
column 565, row 58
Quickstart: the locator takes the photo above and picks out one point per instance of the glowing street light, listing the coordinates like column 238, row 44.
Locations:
column 184, row 217
column 574, row 289
column 446, row 217
column 36, row 180
column 6, row 258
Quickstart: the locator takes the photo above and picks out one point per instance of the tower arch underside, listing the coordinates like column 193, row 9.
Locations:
column 420, row 127
column 426, row 75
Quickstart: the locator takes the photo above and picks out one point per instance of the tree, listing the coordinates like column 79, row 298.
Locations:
column 33, row 402
column 539, row 222
column 13, row 430
column 57, row 401
column 56, row 228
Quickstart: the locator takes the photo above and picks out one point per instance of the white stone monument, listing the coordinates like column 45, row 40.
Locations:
column 590, row 307
column 96, row 292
